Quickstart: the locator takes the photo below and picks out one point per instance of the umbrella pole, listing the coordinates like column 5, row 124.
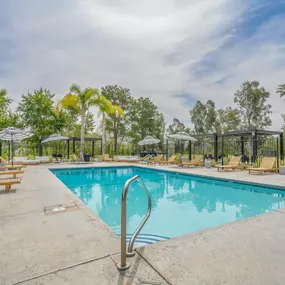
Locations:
column 12, row 151
column 180, row 151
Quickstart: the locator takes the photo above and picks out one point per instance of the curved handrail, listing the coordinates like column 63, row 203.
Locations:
column 124, row 265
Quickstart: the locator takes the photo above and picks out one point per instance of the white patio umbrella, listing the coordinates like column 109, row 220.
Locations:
column 182, row 136
column 149, row 140
column 14, row 134
column 54, row 138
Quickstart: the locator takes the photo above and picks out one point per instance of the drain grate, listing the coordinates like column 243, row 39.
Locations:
column 60, row 208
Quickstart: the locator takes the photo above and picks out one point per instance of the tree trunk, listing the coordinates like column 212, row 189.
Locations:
column 82, row 135
column 103, row 134
column 115, row 137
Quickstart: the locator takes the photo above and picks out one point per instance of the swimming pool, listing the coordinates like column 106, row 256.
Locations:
column 181, row 203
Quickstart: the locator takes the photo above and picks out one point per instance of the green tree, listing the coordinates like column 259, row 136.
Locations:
column 281, row 90
column 80, row 100
column 145, row 119
column 203, row 117
column 176, row 127
column 227, row 120
column 5, row 101
column 251, row 100
column 39, row 114
column 116, row 123
column 107, row 108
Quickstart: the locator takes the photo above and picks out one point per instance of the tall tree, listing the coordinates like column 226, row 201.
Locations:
column 107, row 108
column 176, row 127
column 251, row 100
column 145, row 119
column 81, row 100
column 227, row 120
column 38, row 113
column 203, row 117
column 116, row 123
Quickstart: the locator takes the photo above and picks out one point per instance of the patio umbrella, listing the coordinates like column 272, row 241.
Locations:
column 148, row 140
column 14, row 134
column 54, row 138
column 182, row 136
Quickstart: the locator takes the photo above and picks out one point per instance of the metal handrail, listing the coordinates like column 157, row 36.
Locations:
column 124, row 265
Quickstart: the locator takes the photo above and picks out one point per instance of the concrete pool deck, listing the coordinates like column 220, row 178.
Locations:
column 76, row 247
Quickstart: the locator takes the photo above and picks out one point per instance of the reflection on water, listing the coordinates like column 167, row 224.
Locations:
column 180, row 204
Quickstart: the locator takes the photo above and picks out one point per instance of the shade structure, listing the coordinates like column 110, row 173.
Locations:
column 149, row 140
column 54, row 138
column 14, row 134
column 182, row 136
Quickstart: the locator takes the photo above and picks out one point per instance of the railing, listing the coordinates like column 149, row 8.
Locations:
column 124, row 253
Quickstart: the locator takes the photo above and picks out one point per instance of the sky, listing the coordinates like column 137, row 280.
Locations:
column 174, row 51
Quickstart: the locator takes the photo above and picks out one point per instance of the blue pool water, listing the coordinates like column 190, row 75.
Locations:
column 180, row 203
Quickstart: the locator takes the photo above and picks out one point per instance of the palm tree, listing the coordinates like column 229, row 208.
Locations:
column 106, row 107
column 81, row 100
column 281, row 90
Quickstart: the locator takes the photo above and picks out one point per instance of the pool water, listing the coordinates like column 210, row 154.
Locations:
column 181, row 203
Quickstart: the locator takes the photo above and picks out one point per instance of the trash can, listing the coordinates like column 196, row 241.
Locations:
column 87, row 157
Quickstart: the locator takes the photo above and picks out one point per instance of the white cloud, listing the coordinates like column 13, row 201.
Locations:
column 155, row 48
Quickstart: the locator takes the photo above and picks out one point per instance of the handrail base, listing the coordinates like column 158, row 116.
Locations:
column 122, row 268
column 131, row 254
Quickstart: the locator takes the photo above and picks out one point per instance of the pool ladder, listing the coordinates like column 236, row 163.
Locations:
column 123, row 265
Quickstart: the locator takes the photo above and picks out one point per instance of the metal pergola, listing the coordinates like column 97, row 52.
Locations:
column 252, row 134
column 73, row 140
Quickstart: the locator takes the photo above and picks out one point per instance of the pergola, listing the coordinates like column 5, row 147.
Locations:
column 252, row 134
column 73, row 141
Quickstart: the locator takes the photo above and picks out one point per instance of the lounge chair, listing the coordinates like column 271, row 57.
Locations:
column 5, row 164
column 193, row 162
column 107, row 158
column 171, row 160
column 4, row 167
column 156, row 159
column 43, row 159
column 8, row 182
column 146, row 158
column 126, row 158
column 11, row 172
column 24, row 160
column 267, row 165
column 233, row 164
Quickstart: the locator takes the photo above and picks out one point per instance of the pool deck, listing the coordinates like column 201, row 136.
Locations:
column 76, row 247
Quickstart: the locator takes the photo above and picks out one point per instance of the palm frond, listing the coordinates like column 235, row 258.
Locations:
column 74, row 88
column 281, row 90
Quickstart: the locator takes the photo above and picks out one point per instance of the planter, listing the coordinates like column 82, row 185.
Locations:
column 282, row 170
column 87, row 157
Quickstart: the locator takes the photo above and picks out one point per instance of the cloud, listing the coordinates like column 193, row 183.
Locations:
column 163, row 49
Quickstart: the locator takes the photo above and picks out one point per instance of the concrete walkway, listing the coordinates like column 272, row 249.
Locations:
column 76, row 247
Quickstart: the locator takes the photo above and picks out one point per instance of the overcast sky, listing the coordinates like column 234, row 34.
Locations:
column 173, row 51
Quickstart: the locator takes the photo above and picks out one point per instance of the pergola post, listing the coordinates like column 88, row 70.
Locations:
column 93, row 147
column 67, row 149
column 73, row 145
column 223, row 142
column 190, row 150
column 254, row 146
column 277, row 151
column 242, row 145
column 101, row 147
column 40, row 149
column 0, row 148
column 215, row 147
column 282, row 146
